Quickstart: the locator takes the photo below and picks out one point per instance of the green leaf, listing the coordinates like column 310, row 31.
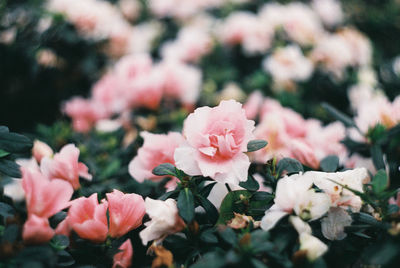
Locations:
column 208, row 236
column 251, row 184
column 10, row 168
column 210, row 209
column 255, row 145
column 380, row 181
column 64, row 259
column 290, row 165
column 3, row 153
column 165, row 169
column 59, row 242
column 14, row 143
column 229, row 236
column 170, row 194
column 186, row 205
column 232, row 203
column 4, row 129
column 6, row 210
column 338, row 115
column 330, row 163
column 377, row 157
column 262, row 196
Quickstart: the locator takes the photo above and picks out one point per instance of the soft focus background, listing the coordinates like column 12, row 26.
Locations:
column 49, row 52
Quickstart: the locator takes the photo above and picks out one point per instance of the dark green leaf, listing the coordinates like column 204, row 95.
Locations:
column 380, row 181
column 230, row 205
column 170, row 194
column 10, row 168
column 186, row 205
column 392, row 208
column 64, row 259
column 251, row 184
column 255, row 145
column 210, row 209
column 262, row 196
column 290, row 165
column 329, row 163
column 205, row 191
column 229, row 236
column 377, row 157
column 338, row 115
column 165, row 169
column 6, row 210
column 4, row 129
column 14, row 143
column 208, row 236
column 59, row 242
column 11, row 233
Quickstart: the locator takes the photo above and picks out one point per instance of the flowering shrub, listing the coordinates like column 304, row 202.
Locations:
column 199, row 133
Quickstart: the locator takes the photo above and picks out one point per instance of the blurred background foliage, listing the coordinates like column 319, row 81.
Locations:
column 43, row 61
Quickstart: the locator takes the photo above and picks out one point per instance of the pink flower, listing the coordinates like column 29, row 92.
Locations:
column 44, row 197
column 253, row 104
column 123, row 259
column 109, row 92
column 37, row 230
column 191, row 44
column 65, row 166
column 156, row 150
column 84, row 113
column 141, row 85
column 88, row 218
column 126, row 212
column 304, row 153
column 179, row 81
column 216, row 141
column 40, row 150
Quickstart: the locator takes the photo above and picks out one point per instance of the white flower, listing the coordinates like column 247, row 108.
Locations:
column 287, row 64
column 341, row 197
column 332, row 226
column 314, row 247
column 330, row 11
column 300, row 225
column 293, row 193
column 164, row 220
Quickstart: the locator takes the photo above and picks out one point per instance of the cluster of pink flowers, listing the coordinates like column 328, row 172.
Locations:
column 135, row 82
column 48, row 189
column 303, row 25
column 97, row 19
column 290, row 135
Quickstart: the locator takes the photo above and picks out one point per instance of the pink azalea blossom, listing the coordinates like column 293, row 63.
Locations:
column 88, row 218
column 253, row 104
column 157, row 149
column 191, row 44
column 126, row 212
column 179, row 81
column 123, row 259
column 84, row 113
column 65, row 166
column 216, row 141
column 40, row 150
column 37, row 230
column 44, row 197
